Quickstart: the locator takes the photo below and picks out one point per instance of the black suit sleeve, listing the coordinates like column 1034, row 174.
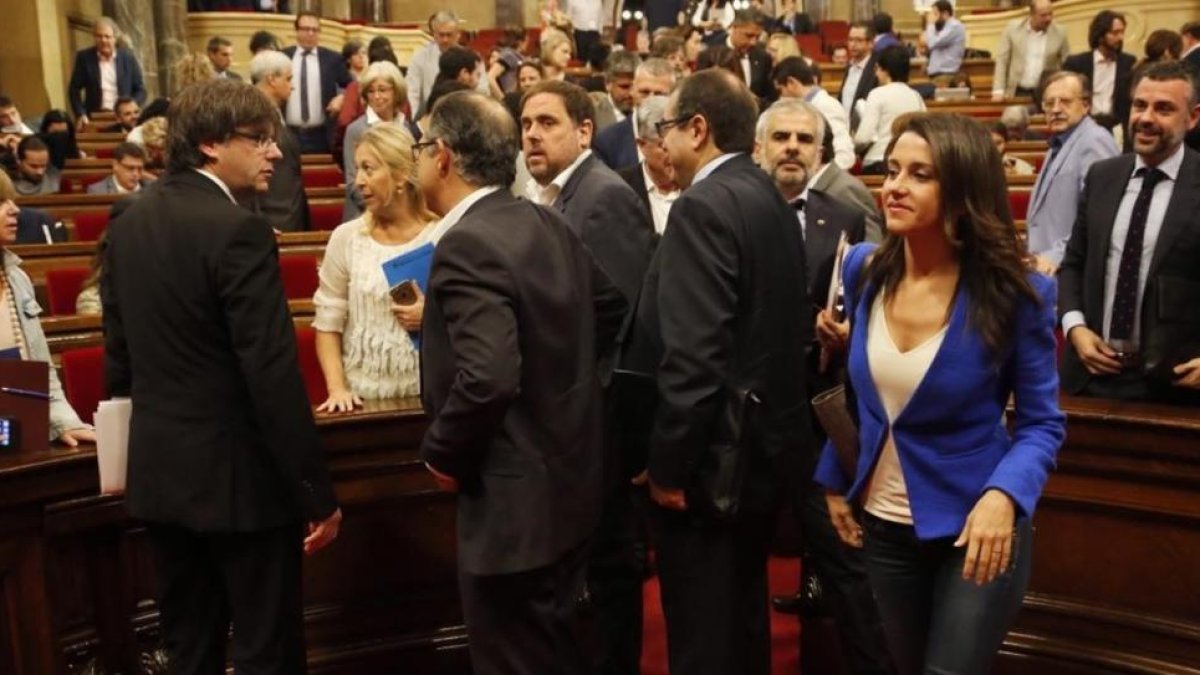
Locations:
column 262, row 335
column 474, row 290
column 610, row 310
column 117, row 374
column 1072, row 271
column 78, row 81
column 697, row 306
column 616, row 230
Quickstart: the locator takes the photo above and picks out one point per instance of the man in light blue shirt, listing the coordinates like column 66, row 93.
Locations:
column 946, row 39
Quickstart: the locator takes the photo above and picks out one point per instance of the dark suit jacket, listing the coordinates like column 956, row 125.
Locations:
column 720, row 306
column 1122, row 97
column 85, row 75
column 30, row 230
column 1170, row 318
column 1192, row 58
column 197, row 331
column 760, row 76
column 284, row 204
column 616, row 146
column 796, row 23
column 866, row 83
column 515, row 318
column 334, row 75
column 849, row 190
column 826, row 219
column 632, row 175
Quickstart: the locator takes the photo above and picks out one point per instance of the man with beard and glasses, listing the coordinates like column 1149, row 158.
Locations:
column 787, row 146
column 1076, row 142
column 1107, row 68
column 1129, row 286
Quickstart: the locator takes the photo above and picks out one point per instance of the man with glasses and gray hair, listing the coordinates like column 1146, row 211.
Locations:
column 652, row 179
column 284, row 204
column 445, row 27
column 517, row 315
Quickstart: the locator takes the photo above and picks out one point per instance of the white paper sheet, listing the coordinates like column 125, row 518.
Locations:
column 112, row 443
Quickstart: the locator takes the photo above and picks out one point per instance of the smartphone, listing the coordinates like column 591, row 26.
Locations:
column 405, row 292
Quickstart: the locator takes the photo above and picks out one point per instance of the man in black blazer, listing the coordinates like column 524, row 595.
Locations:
column 284, row 204
column 652, row 180
column 617, row 145
column 859, row 78
column 319, row 75
column 104, row 73
column 1129, row 286
column 225, row 463
column 1106, row 36
column 516, row 317
column 557, row 119
column 720, row 303
column 744, row 33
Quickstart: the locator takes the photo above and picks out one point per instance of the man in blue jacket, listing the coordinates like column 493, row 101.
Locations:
column 105, row 73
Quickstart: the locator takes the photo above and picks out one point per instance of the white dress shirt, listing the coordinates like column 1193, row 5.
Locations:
column 660, row 202
column 853, row 76
column 220, row 183
column 1035, row 59
column 460, row 209
column 108, row 82
column 1104, row 83
column 1112, row 264
column 316, row 111
column 839, row 123
column 546, row 195
column 585, row 14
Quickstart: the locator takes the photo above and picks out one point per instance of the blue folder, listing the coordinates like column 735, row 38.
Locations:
column 412, row 265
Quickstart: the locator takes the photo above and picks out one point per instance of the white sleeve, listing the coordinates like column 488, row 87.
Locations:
column 331, row 299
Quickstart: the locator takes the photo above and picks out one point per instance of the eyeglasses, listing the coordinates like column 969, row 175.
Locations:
column 662, row 126
column 418, row 147
column 262, row 142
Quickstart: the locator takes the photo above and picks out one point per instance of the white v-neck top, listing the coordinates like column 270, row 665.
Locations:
column 896, row 375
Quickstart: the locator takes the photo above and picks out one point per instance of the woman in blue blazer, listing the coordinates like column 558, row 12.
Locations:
column 946, row 323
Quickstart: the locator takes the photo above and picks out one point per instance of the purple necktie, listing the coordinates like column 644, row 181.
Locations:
column 1125, row 297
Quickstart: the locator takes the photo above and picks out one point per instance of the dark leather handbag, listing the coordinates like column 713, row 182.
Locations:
column 716, row 488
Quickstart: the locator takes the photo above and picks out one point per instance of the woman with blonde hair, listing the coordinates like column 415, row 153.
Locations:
column 782, row 45
column 556, row 55
column 192, row 69
column 383, row 92
column 363, row 342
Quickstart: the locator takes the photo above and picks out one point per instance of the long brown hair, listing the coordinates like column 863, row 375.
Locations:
column 977, row 221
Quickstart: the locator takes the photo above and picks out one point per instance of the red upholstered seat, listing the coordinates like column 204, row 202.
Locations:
column 89, row 225
column 324, row 216
column 1018, row 202
column 811, row 45
column 321, row 176
column 834, row 32
column 299, row 274
column 310, row 367
column 104, row 153
column 83, row 379
column 62, row 288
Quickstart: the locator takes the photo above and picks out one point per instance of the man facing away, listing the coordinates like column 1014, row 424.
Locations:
column 225, row 462
column 516, row 317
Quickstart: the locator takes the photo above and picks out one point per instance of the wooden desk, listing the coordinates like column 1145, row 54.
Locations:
column 78, row 581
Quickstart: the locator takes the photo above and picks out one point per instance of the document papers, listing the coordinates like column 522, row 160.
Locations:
column 112, row 443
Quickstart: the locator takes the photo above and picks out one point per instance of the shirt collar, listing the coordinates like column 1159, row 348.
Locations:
column 617, row 114
column 1099, row 57
column 862, row 63
column 802, row 197
column 706, row 170
column 534, row 189
column 220, row 183
column 460, row 209
column 652, row 188
column 1169, row 166
column 816, row 177
column 373, row 117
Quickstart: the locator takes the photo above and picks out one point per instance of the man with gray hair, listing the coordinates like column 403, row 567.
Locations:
column 105, row 73
column 615, row 105
column 284, row 204
column 616, row 146
column 515, row 424
column 423, row 68
column 652, row 179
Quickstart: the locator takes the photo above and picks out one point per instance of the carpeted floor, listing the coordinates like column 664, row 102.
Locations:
column 785, row 629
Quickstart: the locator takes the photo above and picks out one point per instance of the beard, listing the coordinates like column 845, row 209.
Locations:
column 1162, row 142
column 789, row 178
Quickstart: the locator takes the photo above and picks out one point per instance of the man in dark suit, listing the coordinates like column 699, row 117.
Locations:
column 617, row 145
column 788, row 148
column 720, row 304
column 515, row 424
column 128, row 165
column 653, row 180
column 319, row 76
column 220, row 54
column 1129, row 286
column 1107, row 68
column 104, row 73
column 284, row 204
column 225, row 463
column 859, row 78
column 38, row 227
column 557, row 119
column 127, row 112
column 744, row 34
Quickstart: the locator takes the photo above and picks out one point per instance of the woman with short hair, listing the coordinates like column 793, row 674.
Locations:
column 383, row 94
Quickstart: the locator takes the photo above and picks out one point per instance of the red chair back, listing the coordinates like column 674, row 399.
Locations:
column 83, row 380
column 310, row 367
column 324, row 216
column 811, row 45
column 299, row 274
column 89, row 225
column 321, row 176
column 62, row 288
column 1018, row 202
column 834, row 32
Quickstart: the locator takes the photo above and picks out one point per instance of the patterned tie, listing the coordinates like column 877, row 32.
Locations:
column 1125, row 297
column 304, row 85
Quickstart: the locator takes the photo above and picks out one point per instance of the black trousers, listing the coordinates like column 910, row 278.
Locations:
column 206, row 581
column 585, row 42
column 313, row 140
column 714, row 592
column 525, row 623
column 616, row 571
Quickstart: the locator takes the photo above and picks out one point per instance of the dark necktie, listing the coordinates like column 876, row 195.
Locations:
column 1125, row 297
column 304, row 114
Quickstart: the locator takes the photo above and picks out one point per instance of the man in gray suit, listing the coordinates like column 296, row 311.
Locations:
column 129, row 161
column 615, row 104
column 1076, row 142
column 284, row 204
column 829, row 178
column 1028, row 47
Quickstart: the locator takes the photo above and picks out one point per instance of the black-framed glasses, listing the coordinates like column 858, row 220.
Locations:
column 417, row 148
column 662, row 126
column 262, row 142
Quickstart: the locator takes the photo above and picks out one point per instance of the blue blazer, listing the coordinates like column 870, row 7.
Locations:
column 951, row 437
column 86, row 76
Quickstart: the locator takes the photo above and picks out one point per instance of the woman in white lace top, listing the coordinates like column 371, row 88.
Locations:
column 363, row 341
